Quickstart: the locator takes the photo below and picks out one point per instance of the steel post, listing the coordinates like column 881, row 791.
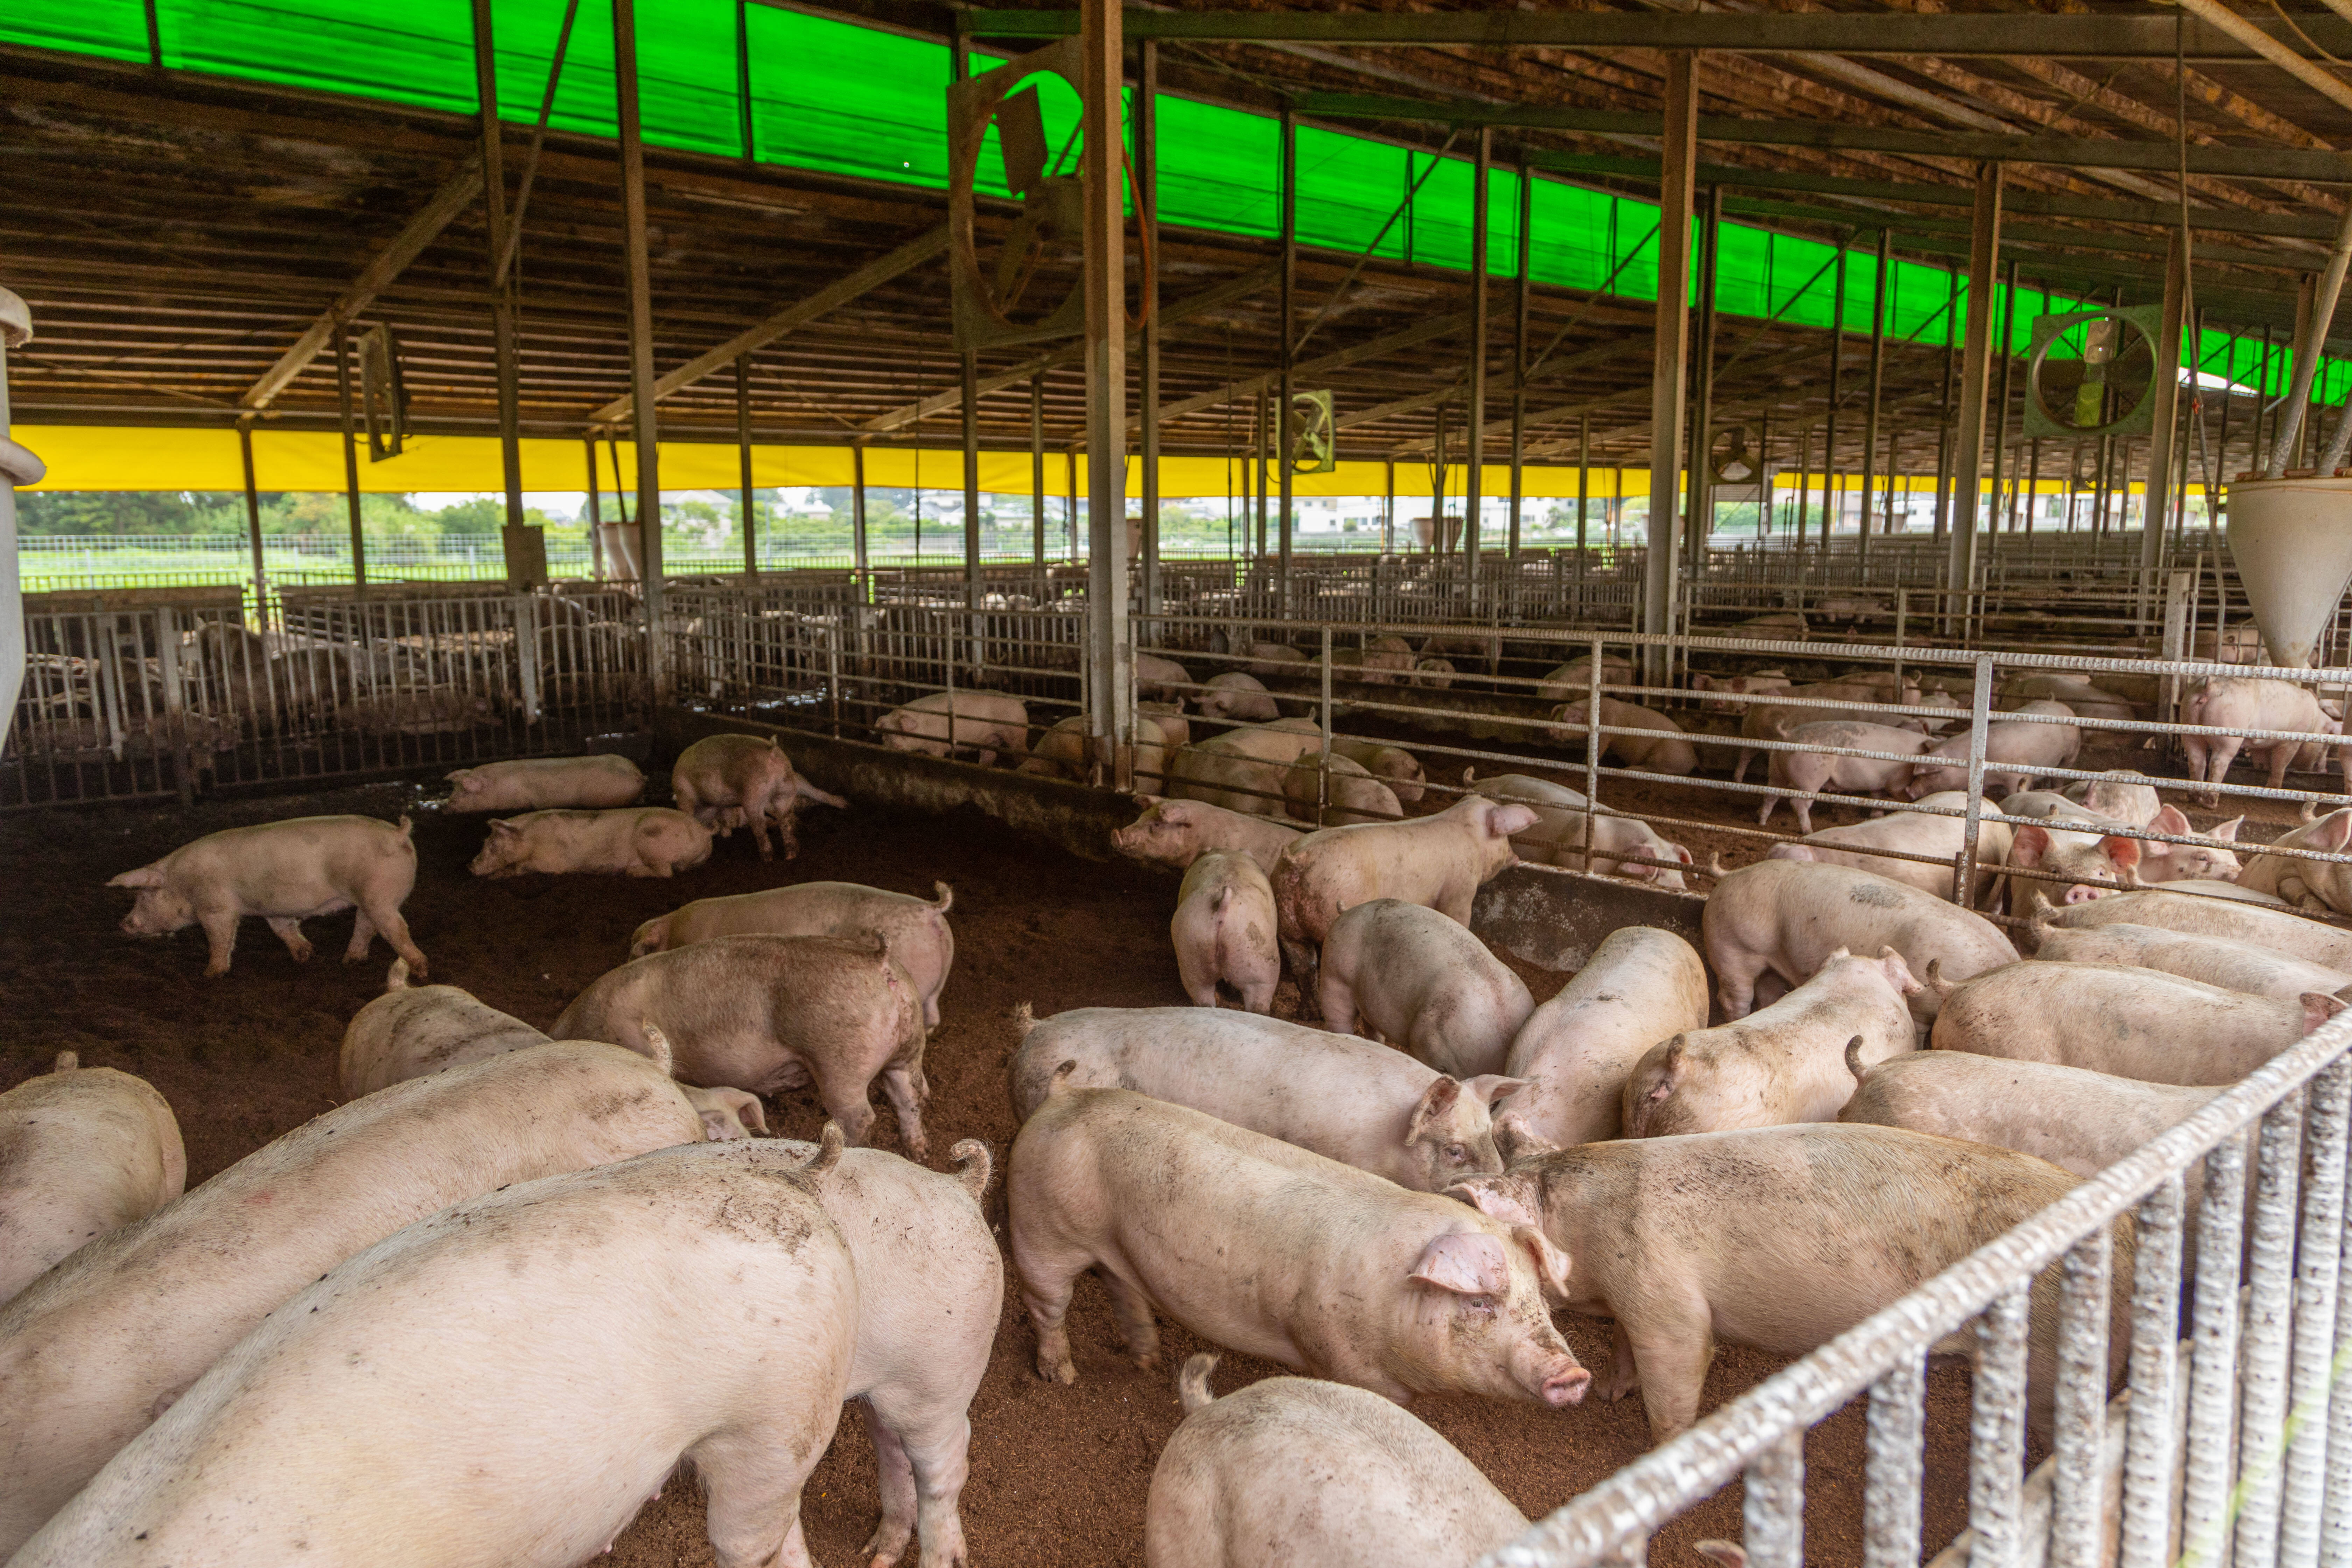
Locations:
column 1472, row 485
column 743, row 461
column 1287, row 326
column 637, row 252
column 1147, row 184
column 1111, row 656
column 1520, row 369
column 1877, row 390
column 2165, row 396
column 1671, row 356
column 352, row 465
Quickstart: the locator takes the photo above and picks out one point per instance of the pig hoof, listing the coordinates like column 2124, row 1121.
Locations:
column 1149, row 1361
column 1056, row 1371
column 214, row 971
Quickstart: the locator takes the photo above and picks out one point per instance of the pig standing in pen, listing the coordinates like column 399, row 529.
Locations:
column 726, row 782
column 1418, row 980
column 917, row 929
column 1223, row 931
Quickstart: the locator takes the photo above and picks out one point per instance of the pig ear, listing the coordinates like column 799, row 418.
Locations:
column 2334, row 833
column 2169, row 819
column 1507, row 819
column 1466, row 1263
column 1898, row 971
column 1551, row 1263
column 1836, row 953
column 1435, row 1100
column 1730, row 1553
column 2318, row 1007
column 145, row 877
column 2123, row 854
column 2227, row 832
column 1682, row 853
column 1517, row 1139
column 1488, row 1088
column 1511, row 1199
column 503, row 828
column 2027, row 845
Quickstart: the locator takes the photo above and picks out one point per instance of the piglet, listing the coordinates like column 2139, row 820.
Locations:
column 1223, row 931
column 1781, row 1238
column 284, row 872
column 1641, row 985
column 1290, row 1472
column 1779, row 1064
column 540, row 783
column 1377, row 1110
column 1278, row 1253
column 83, row 1151
column 1418, row 980
column 982, row 722
column 726, row 782
column 771, row 1013
column 917, row 929
column 538, row 1332
column 634, row 841
column 1175, row 832
column 1775, row 923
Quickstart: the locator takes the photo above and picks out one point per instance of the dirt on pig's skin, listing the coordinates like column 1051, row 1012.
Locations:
column 1059, row 1475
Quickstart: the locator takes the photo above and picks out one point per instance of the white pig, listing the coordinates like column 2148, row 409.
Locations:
column 1818, row 770
column 535, row 1332
column 1784, row 919
column 1349, row 793
column 1656, row 743
column 1239, row 697
column 2281, row 929
column 1268, row 659
column 1911, row 833
column 1275, row 1252
column 1436, row 674
column 2238, row 702
column 1573, row 680
column 2245, row 966
column 410, row 1031
column 2079, row 1121
column 284, row 872
column 1161, row 680
column 1291, row 1472
column 1779, row 1064
column 1223, row 931
column 538, row 783
column 2121, row 793
column 917, row 929
column 770, row 1013
column 633, row 841
column 2113, row 1018
column 1175, row 832
column 1421, row 981
column 1557, row 838
column 1393, row 766
column 985, row 722
column 1377, row 1110
column 1244, row 768
column 727, row 781
column 88, row 1355
column 1639, row 986
column 2016, row 752
column 83, row 1151
column 2316, row 887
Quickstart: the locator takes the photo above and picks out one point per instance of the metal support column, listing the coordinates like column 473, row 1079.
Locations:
column 1388, row 507
column 1975, row 376
column 1110, row 688
column 1037, row 471
column 1669, row 361
column 1996, row 426
column 968, row 368
column 635, row 251
column 1472, row 489
column 1289, row 330
column 253, row 518
column 1829, row 420
column 1147, row 186
column 1870, row 411
column 351, row 464
column 857, row 557
column 744, row 459
column 1520, row 359
column 2166, row 395
column 502, row 303
column 1701, row 465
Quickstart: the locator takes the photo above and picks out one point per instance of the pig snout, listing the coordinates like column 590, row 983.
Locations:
column 1554, row 1376
column 2083, row 893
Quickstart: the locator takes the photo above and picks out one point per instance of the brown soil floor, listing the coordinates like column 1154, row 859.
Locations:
column 1059, row 1475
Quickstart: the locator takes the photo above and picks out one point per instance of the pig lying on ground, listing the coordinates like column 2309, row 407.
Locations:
column 2133, row 1023
column 569, row 1288
column 2236, row 702
column 1779, row 1064
column 1290, row 1472
column 1268, row 659
column 634, row 841
column 1243, row 770
column 2316, row 887
column 1658, row 747
column 917, row 929
column 1377, row 1110
column 2078, row 693
column 1773, row 721
column 1161, row 679
column 1420, row 981
column 1223, row 931
column 1639, row 986
column 2281, row 930
column 88, row 1355
column 1911, row 833
column 2243, row 966
column 1240, row 698
column 1815, row 771
column 1437, row 861
column 83, row 1151
column 1393, row 766
column 1768, row 681
column 1557, row 838
column 771, row 1013
column 1175, row 832
column 1275, row 1252
column 1781, row 1238
column 1572, row 681
column 946, row 721
column 2016, row 752
column 2121, row 793
column 538, row 784
column 1786, row 918
column 1349, row 791
column 725, row 781
column 930, row 1292
column 286, row 872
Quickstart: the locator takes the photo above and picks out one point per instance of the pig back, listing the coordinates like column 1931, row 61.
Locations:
column 87, row 1349
column 2281, row 929
column 1641, row 985
column 2079, row 1121
column 2133, row 1023
column 83, row 1151
column 407, row 1033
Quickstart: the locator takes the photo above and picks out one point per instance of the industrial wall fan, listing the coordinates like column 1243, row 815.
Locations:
column 2091, row 373
column 1313, row 435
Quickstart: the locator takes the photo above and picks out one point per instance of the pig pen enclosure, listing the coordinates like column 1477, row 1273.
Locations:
column 1998, row 559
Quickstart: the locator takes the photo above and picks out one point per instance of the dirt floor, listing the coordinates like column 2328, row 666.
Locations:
column 1059, row 1475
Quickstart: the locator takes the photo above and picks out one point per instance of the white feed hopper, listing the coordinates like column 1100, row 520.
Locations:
column 2291, row 539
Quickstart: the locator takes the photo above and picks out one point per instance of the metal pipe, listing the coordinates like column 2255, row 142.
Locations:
column 1111, row 658
column 1998, row 425
column 1473, row 486
column 2077, row 1511
column 643, row 413
column 1976, row 369
column 1037, row 471
column 1877, row 391
column 858, row 556
column 2270, row 1313
column 1773, row 1508
column 1671, row 354
column 502, row 303
column 1829, row 419
column 1146, row 188
column 743, row 458
column 1287, row 326
column 351, row 463
column 1519, row 372
column 2150, row 1440
column 2309, row 342
column 1997, row 1430
column 1700, row 467
column 2312, row 1370
column 253, row 517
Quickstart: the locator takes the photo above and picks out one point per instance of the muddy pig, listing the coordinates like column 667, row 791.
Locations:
column 89, row 1356
column 1223, row 931
column 2280, row 930
column 284, row 872
column 1819, row 771
column 1639, row 986
column 410, row 1031
column 541, row 784
column 946, row 721
column 634, row 841
column 83, row 1151
column 1175, row 832
column 726, row 782
column 1377, row 1110
column 1779, row 1064
column 1911, row 833
column 918, row 929
column 1290, row 1472
column 2133, row 1023
column 1782, row 918
column 1422, row 981
column 1435, row 862
column 770, row 1013
column 536, row 1332
column 2243, row 966
column 1350, row 792
column 1275, row 1252
column 1781, row 1238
